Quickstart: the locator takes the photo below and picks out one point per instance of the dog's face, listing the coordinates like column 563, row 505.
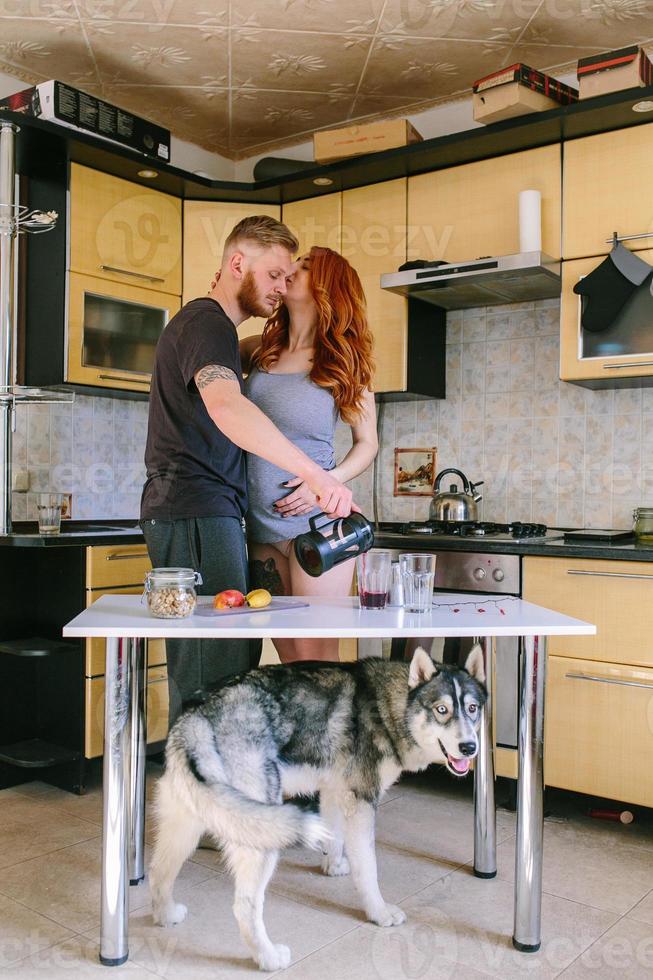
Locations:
column 445, row 708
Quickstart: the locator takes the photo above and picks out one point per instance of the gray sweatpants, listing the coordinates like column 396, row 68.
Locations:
column 215, row 547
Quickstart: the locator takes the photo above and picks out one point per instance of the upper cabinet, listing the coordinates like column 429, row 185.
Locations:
column 207, row 225
column 124, row 232
column 624, row 350
column 607, row 188
column 470, row 211
column 374, row 241
column 316, row 221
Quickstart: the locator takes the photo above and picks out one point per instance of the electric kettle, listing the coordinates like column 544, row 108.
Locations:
column 326, row 545
column 454, row 504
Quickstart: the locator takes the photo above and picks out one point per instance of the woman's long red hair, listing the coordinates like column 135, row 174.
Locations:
column 342, row 359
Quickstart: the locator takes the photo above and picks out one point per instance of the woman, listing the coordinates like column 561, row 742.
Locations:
column 312, row 365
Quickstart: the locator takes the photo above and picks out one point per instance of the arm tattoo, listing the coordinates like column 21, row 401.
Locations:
column 213, row 372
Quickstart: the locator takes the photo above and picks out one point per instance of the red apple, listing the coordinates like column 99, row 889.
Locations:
column 228, row 599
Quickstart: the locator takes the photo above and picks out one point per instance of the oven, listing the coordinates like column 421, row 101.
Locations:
column 113, row 329
column 464, row 571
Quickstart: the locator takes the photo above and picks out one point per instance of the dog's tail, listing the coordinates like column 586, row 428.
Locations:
column 229, row 814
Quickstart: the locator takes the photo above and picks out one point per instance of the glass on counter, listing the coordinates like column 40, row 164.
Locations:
column 643, row 524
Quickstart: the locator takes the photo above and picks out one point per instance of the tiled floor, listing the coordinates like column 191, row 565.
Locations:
column 597, row 905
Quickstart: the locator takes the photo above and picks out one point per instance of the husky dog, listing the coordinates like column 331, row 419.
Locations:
column 346, row 731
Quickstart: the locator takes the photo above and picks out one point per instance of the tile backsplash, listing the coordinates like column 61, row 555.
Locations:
column 548, row 451
column 92, row 449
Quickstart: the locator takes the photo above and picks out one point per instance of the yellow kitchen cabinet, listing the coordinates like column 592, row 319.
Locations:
column 124, row 232
column 606, row 187
column 574, row 367
column 599, row 729
column 617, row 596
column 206, row 227
column 96, row 645
column 116, row 565
column 599, row 689
column 157, row 710
column 316, row 221
column 465, row 212
column 120, row 570
column 374, row 241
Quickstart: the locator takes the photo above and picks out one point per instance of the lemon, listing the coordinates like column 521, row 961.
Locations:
column 258, row 598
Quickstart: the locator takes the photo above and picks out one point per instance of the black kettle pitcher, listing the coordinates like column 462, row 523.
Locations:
column 328, row 544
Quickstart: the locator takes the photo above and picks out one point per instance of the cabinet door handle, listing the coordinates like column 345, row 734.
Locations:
column 620, row 367
column 128, row 272
column 628, row 238
column 122, row 379
column 608, row 680
column 125, row 557
column 575, row 571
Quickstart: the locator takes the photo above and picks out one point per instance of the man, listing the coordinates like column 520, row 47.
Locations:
column 195, row 495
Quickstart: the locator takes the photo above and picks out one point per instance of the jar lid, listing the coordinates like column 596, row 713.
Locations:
column 172, row 576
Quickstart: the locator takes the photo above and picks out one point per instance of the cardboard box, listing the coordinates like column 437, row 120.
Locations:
column 69, row 107
column 614, row 70
column 517, row 90
column 351, row 141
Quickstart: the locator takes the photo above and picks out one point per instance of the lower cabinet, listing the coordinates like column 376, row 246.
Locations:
column 599, row 689
column 599, row 729
column 120, row 570
column 157, row 710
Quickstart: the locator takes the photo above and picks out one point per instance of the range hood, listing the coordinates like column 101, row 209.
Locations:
column 518, row 278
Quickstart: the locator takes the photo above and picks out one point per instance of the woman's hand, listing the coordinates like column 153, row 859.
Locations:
column 301, row 501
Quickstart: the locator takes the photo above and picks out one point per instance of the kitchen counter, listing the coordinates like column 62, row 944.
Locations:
column 82, row 534
column 547, row 547
column 75, row 534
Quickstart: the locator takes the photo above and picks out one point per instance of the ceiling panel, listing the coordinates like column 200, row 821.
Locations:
column 249, row 77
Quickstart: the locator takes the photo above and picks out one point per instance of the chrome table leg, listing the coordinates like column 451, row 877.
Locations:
column 114, row 885
column 530, row 793
column 136, row 759
column 485, row 820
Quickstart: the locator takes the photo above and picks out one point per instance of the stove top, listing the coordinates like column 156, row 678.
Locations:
column 514, row 531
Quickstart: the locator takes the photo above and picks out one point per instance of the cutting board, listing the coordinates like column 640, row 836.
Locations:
column 204, row 607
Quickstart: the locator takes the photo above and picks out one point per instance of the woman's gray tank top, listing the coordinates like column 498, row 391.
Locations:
column 307, row 415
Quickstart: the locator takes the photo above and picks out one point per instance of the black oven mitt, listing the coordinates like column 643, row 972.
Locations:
column 606, row 288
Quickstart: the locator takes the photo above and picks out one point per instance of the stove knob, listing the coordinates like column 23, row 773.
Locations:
column 479, row 574
column 498, row 575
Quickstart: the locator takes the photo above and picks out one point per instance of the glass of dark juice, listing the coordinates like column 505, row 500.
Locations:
column 373, row 576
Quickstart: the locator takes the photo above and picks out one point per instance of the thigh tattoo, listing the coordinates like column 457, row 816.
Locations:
column 265, row 575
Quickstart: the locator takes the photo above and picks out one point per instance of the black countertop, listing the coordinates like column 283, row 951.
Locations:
column 74, row 534
column 79, row 534
column 547, row 547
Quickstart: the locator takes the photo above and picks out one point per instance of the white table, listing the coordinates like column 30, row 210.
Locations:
column 126, row 624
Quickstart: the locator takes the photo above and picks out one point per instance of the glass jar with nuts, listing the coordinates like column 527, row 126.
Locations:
column 171, row 592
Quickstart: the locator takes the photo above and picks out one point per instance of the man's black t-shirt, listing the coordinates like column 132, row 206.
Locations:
column 193, row 470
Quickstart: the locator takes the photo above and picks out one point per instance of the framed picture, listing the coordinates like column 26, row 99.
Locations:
column 414, row 472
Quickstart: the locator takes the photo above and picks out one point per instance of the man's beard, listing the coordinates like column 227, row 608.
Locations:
column 249, row 298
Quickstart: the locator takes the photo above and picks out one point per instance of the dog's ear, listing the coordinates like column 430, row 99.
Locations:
column 475, row 664
column 422, row 668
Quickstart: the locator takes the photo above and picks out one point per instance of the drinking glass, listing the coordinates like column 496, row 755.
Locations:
column 418, row 573
column 373, row 575
column 49, row 511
